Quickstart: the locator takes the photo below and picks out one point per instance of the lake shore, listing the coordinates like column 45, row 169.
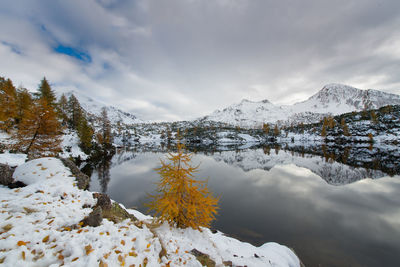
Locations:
column 43, row 225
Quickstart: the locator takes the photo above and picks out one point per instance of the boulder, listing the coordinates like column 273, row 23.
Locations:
column 6, row 173
column 82, row 179
column 105, row 209
column 6, row 177
column 94, row 218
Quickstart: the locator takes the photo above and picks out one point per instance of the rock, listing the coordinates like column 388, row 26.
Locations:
column 203, row 258
column 82, row 179
column 117, row 214
column 6, row 173
column 102, row 200
column 227, row 263
column 111, row 211
column 94, row 218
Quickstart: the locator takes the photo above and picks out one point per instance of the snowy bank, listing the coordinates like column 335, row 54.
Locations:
column 41, row 225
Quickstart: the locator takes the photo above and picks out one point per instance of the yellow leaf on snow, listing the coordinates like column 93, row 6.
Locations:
column 88, row 249
column 45, row 239
column 21, row 243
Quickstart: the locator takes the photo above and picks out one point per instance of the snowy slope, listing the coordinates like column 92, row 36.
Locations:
column 332, row 99
column 94, row 107
column 41, row 227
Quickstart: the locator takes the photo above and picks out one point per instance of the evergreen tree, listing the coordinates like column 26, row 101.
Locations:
column 45, row 92
column 85, row 134
column 8, row 104
column 62, row 108
column 182, row 200
column 74, row 112
column 39, row 133
column 104, row 136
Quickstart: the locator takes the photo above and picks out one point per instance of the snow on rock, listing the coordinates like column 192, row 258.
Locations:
column 12, row 159
column 40, row 226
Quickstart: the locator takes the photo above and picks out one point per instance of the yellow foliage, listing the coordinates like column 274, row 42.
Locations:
column 181, row 199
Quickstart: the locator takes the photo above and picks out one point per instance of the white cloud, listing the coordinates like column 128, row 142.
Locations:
column 183, row 59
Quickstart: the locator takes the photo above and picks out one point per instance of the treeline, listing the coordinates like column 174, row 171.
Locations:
column 37, row 121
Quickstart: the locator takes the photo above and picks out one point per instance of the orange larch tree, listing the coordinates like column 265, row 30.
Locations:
column 182, row 200
column 39, row 133
column 8, row 104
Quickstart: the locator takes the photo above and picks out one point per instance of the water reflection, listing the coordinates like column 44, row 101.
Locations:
column 271, row 194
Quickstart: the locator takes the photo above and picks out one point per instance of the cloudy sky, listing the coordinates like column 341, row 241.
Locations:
column 182, row 59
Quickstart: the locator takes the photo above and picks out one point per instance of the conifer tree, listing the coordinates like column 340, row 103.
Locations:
column 182, row 200
column 374, row 118
column 324, row 125
column 8, row 104
column 276, row 130
column 74, row 112
column 344, row 127
column 39, row 133
column 266, row 128
column 62, row 107
column 104, row 136
column 24, row 103
column 45, row 92
column 85, row 134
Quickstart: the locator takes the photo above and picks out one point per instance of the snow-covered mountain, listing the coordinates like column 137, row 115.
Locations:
column 94, row 107
column 332, row 99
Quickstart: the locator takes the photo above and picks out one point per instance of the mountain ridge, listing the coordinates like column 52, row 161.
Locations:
column 332, row 99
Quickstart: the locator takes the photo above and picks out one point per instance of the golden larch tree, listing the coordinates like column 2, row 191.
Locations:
column 8, row 104
column 39, row 133
column 181, row 199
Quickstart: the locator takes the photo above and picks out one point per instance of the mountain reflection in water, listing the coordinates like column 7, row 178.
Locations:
column 273, row 195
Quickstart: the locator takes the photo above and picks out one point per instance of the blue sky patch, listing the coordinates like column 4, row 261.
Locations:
column 73, row 52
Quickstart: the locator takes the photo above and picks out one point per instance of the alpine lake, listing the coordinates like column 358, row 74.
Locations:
column 332, row 206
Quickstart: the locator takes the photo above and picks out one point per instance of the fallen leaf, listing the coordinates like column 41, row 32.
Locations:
column 21, row 243
column 88, row 249
column 45, row 239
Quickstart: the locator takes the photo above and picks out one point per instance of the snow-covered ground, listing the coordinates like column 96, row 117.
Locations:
column 40, row 226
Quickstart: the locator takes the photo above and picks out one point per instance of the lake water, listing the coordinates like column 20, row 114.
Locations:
column 331, row 214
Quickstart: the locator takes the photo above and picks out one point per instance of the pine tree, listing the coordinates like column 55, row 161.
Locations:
column 39, row 133
column 182, row 200
column 8, row 104
column 45, row 92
